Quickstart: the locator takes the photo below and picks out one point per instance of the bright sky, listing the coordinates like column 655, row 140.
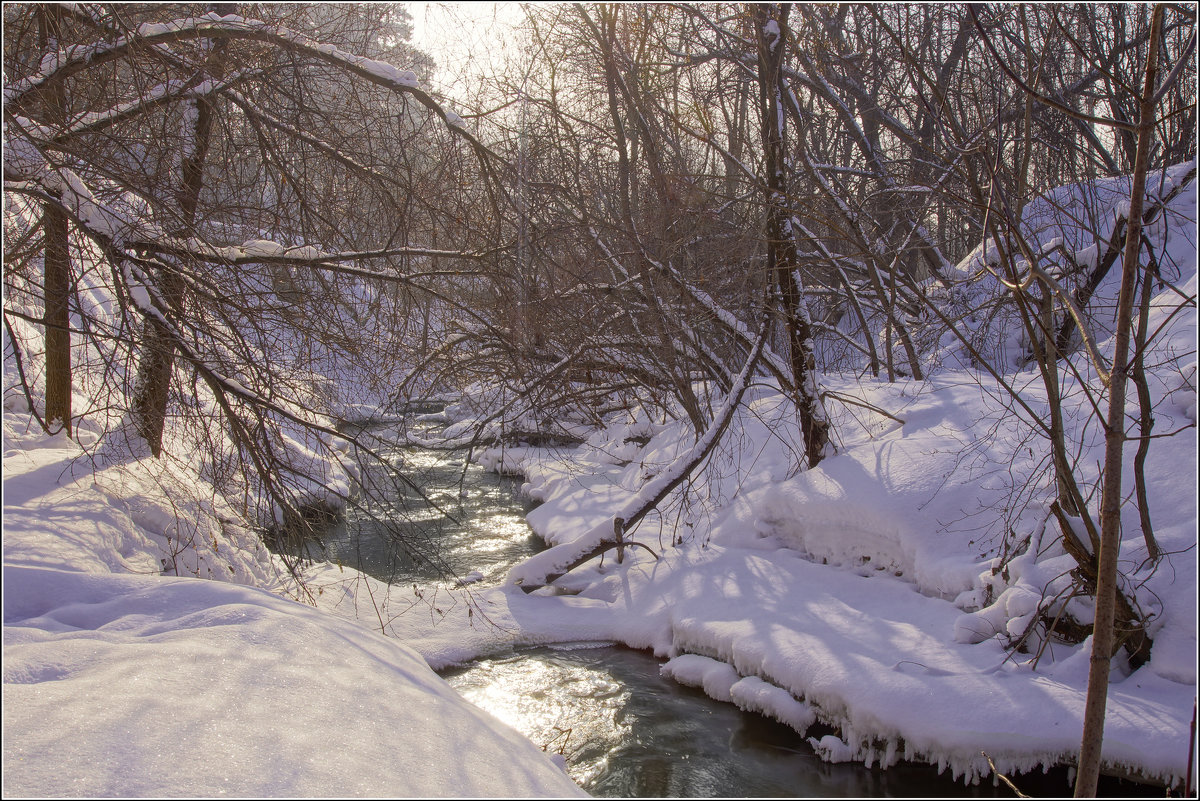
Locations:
column 467, row 40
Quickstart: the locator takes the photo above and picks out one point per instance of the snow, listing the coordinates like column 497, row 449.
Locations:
column 721, row 682
column 1088, row 257
column 200, row 688
column 121, row 681
column 878, row 592
column 831, row 748
column 894, row 593
column 875, row 647
column 262, row 247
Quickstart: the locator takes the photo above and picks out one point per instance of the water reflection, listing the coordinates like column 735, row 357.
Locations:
column 475, row 527
column 626, row 731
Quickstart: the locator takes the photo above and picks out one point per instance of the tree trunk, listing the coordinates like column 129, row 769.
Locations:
column 1146, row 407
column 152, row 389
column 57, row 256
column 782, row 260
column 1103, row 635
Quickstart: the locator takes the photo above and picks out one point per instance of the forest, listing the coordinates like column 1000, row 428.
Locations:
column 904, row 291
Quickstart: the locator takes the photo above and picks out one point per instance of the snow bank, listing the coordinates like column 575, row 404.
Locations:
column 873, row 654
column 1069, row 229
column 122, row 681
column 144, row 686
column 902, row 591
column 721, row 682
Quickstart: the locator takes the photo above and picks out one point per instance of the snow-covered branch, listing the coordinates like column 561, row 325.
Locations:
column 75, row 59
column 556, row 562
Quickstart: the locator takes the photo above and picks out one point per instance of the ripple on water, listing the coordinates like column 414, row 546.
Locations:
column 626, row 731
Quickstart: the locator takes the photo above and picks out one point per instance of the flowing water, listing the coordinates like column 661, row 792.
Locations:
column 623, row 729
column 474, row 528
column 626, row 731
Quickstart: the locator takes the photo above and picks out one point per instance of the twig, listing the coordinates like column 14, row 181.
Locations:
column 855, row 402
column 1002, row 777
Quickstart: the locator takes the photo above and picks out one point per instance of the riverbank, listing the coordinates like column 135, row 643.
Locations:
column 120, row 680
column 739, row 603
column 860, row 595
column 874, row 596
column 906, row 594
column 857, row 623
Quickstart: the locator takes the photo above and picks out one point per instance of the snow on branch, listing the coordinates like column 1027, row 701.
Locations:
column 265, row 251
column 552, row 564
column 25, row 169
column 91, row 122
column 73, row 60
column 28, row 171
column 125, row 237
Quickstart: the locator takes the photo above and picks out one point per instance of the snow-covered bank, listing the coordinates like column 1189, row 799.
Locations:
column 842, row 594
column 860, row 595
column 914, row 591
column 905, row 592
column 119, row 680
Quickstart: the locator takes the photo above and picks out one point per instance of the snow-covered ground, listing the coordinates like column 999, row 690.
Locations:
column 854, row 594
column 122, row 681
column 151, row 646
column 901, row 590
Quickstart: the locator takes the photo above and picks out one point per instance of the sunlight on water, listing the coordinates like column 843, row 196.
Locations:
column 414, row 459
column 627, row 732
column 574, row 710
column 476, row 525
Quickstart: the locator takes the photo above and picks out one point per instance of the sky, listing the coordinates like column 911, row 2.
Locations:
column 466, row 40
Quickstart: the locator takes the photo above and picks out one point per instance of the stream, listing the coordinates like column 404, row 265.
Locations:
column 623, row 729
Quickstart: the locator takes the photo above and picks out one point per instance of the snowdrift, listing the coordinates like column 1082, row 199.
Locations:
column 122, row 681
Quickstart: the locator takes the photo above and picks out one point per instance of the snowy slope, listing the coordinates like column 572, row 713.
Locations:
column 119, row 680
column 849, row 587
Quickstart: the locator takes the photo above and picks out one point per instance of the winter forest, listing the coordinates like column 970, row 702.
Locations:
column 615, row 399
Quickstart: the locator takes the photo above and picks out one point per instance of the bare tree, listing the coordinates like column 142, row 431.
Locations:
column 1110, row 505
column 771, row 23
column 230, row 212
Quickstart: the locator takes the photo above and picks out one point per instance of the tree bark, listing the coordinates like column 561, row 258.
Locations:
column 1145, row 405
column 152, row 388
column 56, row 257
column 1103, row 634
column 782, row 260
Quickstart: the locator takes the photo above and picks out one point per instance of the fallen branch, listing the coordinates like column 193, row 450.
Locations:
column 551, row 565
column 1002, row 777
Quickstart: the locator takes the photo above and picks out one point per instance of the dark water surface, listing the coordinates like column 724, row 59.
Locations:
column 628, row 732
column 624, row 729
